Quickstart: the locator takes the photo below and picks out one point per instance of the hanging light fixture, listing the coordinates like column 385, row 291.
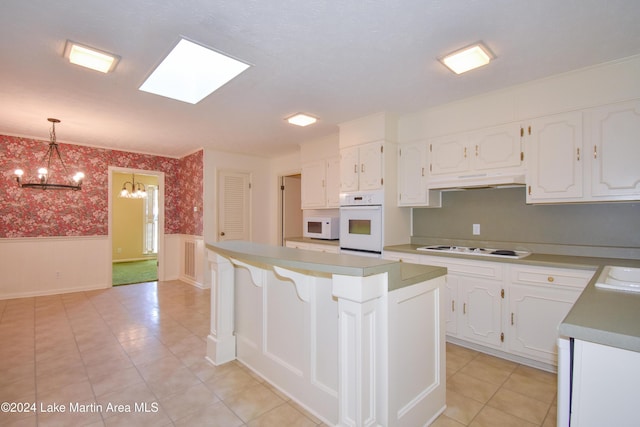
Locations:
column 44, row 180
column 137, row 190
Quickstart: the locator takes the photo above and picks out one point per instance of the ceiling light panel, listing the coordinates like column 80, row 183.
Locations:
column 301, row 119
column 191, row 72
column 90, row 57
column 468, row 58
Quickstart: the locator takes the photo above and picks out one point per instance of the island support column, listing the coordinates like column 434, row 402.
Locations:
column 221, row 342
column 362, row 359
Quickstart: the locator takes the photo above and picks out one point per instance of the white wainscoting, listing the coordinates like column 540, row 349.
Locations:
column 53, row 265
column 34, row 266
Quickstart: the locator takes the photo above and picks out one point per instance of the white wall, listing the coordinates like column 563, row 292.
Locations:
column 588, row 87
column 34, row 266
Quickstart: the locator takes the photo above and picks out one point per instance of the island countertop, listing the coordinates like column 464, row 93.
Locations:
column 401, row 274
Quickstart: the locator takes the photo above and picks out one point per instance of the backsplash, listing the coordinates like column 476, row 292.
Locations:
column 504, row 216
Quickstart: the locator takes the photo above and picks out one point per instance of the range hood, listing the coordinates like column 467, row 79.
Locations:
column 480, row 180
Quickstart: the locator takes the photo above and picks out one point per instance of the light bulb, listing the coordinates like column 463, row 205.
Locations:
column 19, row 173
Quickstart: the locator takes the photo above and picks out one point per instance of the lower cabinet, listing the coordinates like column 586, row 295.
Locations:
column 480, row 317
column 539, row 298
column 509, row 307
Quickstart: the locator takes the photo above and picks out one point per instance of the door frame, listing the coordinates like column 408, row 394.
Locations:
column 160, row 176
column 281, row 204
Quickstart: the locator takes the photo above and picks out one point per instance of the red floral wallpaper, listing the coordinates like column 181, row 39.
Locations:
column 34, row 213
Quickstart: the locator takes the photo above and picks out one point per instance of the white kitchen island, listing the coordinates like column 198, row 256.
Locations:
column 356, row 341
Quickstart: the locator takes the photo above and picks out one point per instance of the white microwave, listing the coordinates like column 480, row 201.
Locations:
column 327, row 228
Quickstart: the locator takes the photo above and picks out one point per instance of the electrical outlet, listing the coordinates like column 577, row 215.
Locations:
column 119, row 250
column 476, row 229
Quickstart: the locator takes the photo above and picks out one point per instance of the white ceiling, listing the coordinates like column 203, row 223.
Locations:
column 337, row 60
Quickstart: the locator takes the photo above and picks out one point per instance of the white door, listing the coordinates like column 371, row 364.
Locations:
column 412, row 159
column 555, row 158
column 314, row 185
column 234, row 206
column 615, row 130
column 481, row 310
column 370, row 166
column 496, row 148
column 349, row 164
column 530, row 334
column 449, row 155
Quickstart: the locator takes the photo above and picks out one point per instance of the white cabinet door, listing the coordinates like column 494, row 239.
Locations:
column 449, row 155
column 451, row 301
column 555, row 158
column 496, row 148
column 349, row 167
column 481, row 317
column 361, row 167
column 534, row 315
column 412, row 174
column 313, row 185
column 370, row 166
column 615, row 132
column 332, row 181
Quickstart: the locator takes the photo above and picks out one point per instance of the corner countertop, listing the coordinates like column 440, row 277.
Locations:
column 601, row 316
column 316, row 263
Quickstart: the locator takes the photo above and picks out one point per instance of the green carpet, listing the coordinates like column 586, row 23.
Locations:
column 126, row 273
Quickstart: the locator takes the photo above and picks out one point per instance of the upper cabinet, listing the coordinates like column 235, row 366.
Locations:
column 361, row 167
column 614, row 151
column 585, row 156
column 555, row 158
column 413, row 172
column 473, row 156
column 321, row 184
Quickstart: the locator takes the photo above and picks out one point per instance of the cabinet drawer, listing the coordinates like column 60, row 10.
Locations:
column 551, row 276
column 402, row 256
column 485, row 269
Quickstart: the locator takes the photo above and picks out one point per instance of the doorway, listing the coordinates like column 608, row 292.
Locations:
column 290, row 207
column 136, row 229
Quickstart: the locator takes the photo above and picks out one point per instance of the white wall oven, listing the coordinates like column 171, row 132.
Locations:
column 361, row 224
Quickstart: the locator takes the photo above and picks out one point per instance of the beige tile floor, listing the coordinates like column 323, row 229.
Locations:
column 134, row 355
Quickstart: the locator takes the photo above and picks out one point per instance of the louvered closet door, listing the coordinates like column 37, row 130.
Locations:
column 234, row 205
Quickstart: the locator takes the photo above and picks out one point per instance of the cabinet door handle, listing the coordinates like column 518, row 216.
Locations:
column 422, row 171
column 323, row 183
column 529, row 190
column 355, row 168
column 465, row 152
column 512, row 319
column 550, row 279
column 464, row 308
column 476, row 150
column 578, row 150
column 453, row 305
column 595, row 151
column 362, row 167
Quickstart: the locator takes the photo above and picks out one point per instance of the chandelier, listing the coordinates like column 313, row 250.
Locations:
column 44, row 179
column 137, row 190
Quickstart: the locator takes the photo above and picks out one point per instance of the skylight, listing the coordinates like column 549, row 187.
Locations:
column 191, row 72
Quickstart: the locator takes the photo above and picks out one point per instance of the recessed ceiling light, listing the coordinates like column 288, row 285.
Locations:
column 301, row 119
column 191, row 72
column 468, row 58
column 90, row 57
